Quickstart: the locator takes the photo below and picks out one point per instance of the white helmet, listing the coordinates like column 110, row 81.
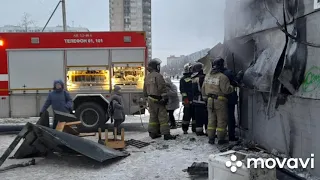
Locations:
column 187, row 68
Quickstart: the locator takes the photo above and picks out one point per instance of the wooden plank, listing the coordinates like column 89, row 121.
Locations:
column 73, row 123
column 87, row 134
column 116, row 144
column 106, row 137
column 70, row 130
column 122, row 134
column 99, row 133
column 60, row 126
column 115, row 133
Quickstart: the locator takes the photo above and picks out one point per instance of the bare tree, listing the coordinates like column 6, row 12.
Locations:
column 26, row 22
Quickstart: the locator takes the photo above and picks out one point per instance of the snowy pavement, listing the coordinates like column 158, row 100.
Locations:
column 160, row 160
column 151, row 162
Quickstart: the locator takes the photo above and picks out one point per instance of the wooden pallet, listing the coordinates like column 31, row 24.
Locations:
column 67, row 128
column 112, row 143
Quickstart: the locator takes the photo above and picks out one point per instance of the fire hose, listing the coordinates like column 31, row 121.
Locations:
column 145, row 107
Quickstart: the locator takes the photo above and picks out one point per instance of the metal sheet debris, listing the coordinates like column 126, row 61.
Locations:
column 200, row 169
column 64, row 117
column 40, row 140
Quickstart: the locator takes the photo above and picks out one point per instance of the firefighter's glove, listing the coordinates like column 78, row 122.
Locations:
column 241, row 85
column 142, row 102
column 205, row 99
column 239, row 76
column 165, row 99
column 163, row 102
column 186, row 102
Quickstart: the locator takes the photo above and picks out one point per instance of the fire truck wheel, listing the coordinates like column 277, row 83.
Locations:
column 91, row 115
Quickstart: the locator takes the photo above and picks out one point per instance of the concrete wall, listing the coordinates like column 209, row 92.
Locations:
column 292, row 128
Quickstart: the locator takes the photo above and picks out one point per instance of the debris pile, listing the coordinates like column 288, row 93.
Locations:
column 40, row 140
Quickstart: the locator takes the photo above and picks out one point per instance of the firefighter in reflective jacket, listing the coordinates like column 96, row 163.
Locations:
column 215, row 89
column 155, row 90
column 200, row 111
column 186, row 93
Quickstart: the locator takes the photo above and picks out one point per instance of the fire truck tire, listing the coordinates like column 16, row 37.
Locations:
column 91, row 115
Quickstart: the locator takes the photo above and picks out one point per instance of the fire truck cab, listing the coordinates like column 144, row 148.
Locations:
column 90, row 64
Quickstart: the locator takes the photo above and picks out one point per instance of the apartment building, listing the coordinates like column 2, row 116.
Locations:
column 175, row 63
column 131, row 15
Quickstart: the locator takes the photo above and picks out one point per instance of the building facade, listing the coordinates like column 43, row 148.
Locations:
column 131, row 15
column 11, row 28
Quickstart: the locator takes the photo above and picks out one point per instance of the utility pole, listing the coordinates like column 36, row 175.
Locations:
column 64, row 15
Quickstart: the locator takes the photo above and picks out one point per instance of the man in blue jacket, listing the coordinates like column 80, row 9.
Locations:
column 59, row 99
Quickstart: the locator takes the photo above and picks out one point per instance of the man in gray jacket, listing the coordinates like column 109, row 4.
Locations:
column 117, row 104
column 173, row 103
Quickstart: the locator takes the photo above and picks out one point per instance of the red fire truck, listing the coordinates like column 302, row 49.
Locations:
column 90, row 63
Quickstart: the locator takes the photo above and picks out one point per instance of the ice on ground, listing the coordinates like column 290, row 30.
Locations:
column 160, row 160
column 18, row 120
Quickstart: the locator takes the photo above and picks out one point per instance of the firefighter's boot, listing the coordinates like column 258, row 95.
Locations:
column 154, row 136
column 173, row 126
column 185, row 132
column 233, row 139
column 211, row 141
column 193, row 127
column 200, row 133
column 222, row 142
column 169, row 137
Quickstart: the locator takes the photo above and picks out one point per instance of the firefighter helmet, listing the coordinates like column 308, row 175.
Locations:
column 197, row 67
column 187, row 68
column 190, row 68
column 154, row 64
column 217, row 64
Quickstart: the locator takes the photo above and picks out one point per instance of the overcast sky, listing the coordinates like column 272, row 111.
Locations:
column 179, row 27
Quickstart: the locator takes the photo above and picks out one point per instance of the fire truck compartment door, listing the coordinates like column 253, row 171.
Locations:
column 88, row 57
column 128, row 55
column 33, row 69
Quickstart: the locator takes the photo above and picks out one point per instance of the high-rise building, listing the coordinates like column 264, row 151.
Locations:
column 131, row 15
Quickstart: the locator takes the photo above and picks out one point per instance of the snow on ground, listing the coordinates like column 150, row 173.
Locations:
column 151, row 162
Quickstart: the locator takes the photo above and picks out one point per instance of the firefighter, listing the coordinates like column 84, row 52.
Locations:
column 198, row 103
column 186, row 93
column 155, row 90
column 215, row 89
column 232, row 100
